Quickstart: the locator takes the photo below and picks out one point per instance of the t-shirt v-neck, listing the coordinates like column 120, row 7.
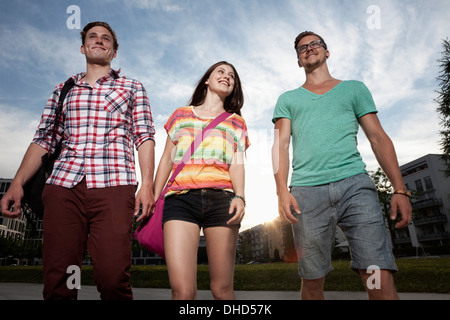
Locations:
column 318, row 96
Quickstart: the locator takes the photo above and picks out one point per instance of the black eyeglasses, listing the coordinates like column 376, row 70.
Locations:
column 313, row 44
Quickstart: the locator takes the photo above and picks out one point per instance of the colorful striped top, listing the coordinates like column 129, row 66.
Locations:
column 208, row 166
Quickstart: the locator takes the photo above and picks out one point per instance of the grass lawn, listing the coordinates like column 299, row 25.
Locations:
column 415, row 275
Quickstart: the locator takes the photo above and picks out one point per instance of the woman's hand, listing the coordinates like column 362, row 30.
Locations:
column 237, row 207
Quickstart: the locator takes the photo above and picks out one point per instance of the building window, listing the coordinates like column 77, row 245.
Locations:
column 428, row 183
column 419, row 186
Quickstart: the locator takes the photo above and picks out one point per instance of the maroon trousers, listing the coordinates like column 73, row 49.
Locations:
column 95, row 220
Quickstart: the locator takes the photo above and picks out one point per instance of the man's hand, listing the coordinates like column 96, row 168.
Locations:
column 145, row 198
column 401, row 203
column 30, row 165
column 286, row 201
column 12, row 199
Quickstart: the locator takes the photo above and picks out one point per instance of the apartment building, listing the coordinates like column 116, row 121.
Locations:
column 431, row 203
column 271, row 241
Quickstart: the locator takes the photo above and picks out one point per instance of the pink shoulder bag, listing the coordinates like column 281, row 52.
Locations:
column 150, row 232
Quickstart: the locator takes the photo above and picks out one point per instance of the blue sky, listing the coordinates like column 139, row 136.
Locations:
column 392, row 46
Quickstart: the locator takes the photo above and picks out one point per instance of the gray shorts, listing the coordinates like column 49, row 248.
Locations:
column 353, row 205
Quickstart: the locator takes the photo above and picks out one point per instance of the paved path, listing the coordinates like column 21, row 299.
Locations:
column 27, row 291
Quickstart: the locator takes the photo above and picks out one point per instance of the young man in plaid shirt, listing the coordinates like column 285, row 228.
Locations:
column 89, row 199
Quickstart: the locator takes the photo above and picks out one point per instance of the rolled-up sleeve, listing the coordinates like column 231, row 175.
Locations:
column 44, row 133
column 143, row 128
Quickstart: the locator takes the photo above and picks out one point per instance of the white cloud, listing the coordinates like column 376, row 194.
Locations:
column 165, row 5
column 39, row 54
column 17, row 128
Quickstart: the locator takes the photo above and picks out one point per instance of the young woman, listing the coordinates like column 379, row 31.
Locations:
column 209, row 192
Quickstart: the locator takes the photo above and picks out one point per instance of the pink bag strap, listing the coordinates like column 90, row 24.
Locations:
column 195, row 144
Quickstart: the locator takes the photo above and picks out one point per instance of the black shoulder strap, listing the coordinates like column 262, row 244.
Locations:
column 62, row 95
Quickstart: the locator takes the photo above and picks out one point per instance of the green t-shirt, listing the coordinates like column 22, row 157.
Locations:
column 324, row 131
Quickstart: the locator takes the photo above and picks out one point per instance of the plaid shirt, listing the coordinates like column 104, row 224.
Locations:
column 98, row 130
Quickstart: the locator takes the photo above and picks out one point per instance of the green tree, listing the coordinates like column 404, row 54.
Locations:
column 443, row 100
column 384, row 191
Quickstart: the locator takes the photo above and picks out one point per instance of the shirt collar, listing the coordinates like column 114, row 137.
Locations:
column 112, row 74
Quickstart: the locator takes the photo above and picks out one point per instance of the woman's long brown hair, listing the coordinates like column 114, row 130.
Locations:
column 233, row 103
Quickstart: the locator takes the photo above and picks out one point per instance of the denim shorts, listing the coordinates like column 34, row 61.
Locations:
column 353, row 205
column 204, row 207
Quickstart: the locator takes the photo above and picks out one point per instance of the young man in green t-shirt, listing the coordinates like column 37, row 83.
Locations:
column 330, row 185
